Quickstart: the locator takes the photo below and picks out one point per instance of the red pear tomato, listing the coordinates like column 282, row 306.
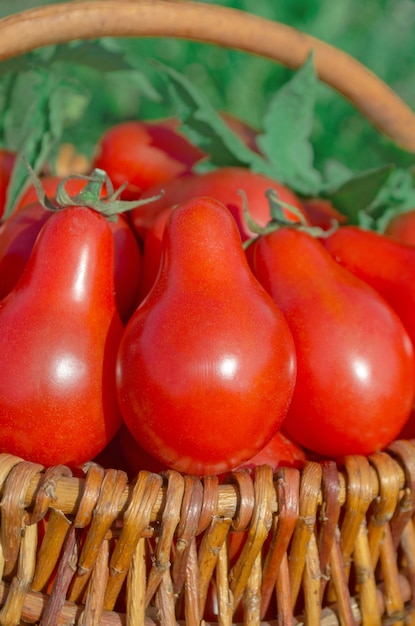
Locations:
column 59, row 335
column 206, row 365
column 355, row 379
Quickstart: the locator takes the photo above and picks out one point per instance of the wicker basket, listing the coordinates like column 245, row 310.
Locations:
column 330, row 544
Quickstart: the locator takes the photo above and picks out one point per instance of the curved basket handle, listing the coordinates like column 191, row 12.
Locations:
column 223, row 26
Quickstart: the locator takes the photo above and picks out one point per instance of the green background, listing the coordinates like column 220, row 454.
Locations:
column 379, row 33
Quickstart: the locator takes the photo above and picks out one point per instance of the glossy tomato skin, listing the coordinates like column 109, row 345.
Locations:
column 59, row 336
column 224, row 184
column 18, row 234
column 387, row 265
column 355, row 360
column 206, row 365
column 144, row 154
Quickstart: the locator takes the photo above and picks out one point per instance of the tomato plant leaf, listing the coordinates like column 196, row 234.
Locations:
column 287, row 155
column 397, row 196
column 356, row 195
column 32, row 127
column 203, row 125
column 287, row 125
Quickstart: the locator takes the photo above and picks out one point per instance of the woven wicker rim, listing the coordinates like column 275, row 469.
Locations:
column 223, row 26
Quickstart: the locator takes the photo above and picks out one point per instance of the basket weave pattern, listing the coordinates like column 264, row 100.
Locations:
column 327, row 544
column 331, row 544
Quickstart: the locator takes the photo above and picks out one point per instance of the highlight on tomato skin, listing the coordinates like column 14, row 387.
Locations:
column 207, row 357
column 59, row 336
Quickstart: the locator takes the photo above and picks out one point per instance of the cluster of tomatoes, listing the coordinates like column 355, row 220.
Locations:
column 193, row 331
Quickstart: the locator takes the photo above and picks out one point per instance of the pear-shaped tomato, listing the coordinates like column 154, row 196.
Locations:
column 355, row 379
column 206, row 366
column 59, row 335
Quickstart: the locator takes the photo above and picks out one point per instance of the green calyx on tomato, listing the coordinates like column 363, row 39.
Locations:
column 283, row 215
column 98, row 194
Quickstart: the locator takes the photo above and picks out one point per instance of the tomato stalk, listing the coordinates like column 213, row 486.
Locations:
column 91, row 195
column 279, row 219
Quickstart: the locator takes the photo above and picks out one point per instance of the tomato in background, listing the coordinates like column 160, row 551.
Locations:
column 402, row 227
column 136, row 458
column 206, row 365
column 50, row 185
column 59, row 335
column 355, row 361
column 151, row 253
column 322, row 213
column 7, row 161
column 222, row 184
column 280, row 451
column 17, row 237
column 144, row 154
column 245, row 131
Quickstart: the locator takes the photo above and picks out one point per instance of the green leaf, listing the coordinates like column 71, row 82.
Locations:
column 288, row 124
column 33, row 128
column 356, row 195
column 396, row 197
column 204, row 126
column 287, row 152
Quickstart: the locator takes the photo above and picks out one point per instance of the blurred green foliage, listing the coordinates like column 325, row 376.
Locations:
column 379, row 33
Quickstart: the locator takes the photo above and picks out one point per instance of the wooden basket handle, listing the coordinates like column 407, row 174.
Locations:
column 222, row 26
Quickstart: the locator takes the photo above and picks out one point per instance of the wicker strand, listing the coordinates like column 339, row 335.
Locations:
column 105, row 513
column 288, row 486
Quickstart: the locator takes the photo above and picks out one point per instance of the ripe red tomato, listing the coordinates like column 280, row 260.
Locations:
column 206, row 365
column 59, row 336
column 355, row 380
column 144, row 154
column 223, row 184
